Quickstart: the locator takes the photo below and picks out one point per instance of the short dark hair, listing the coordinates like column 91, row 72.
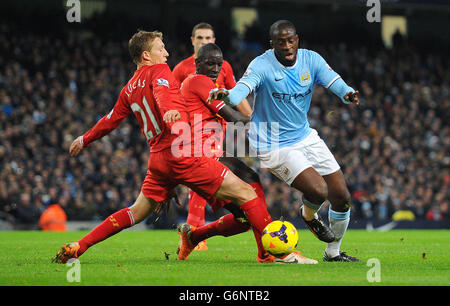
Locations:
column 202, row 25
column 280, row 25
column 207, row 49
column 140, row 42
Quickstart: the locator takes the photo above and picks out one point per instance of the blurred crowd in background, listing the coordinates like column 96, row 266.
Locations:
column 393, row 149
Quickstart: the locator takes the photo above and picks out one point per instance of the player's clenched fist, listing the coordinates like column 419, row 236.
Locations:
column 171, row 116
column 77, row 146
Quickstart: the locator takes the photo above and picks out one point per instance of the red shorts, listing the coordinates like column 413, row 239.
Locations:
column 165, row 171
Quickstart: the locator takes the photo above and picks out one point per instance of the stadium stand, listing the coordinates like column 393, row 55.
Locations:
column 394, row 149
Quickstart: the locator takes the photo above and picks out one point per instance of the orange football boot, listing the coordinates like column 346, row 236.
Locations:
column 186, row 247
column 68, row 251
column 202, row 246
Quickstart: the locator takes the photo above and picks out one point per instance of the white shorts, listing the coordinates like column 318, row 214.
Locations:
column 288, row 162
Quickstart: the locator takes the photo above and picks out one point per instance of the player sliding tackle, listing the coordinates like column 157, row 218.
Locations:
column 152, row 94
column 207, row 125
column 282, row 80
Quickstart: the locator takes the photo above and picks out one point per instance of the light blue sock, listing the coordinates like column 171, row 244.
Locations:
column 338, row 224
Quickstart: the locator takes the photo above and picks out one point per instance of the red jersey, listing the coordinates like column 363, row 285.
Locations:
column 150, row 93
column 204, row 118
column 187, row 67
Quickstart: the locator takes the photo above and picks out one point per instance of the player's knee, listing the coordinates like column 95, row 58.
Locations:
column 345, row 197
column 318, row 193
column 341, row 200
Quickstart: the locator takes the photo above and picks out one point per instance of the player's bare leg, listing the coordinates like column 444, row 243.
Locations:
column 315, row 192
column 235, row 190
column 143, row 207
column 339, row 215
column 112, row 225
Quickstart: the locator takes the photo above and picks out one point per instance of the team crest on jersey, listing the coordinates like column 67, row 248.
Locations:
column 163, row 82
column 305, row 78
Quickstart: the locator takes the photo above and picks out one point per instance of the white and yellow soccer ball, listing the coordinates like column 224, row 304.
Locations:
column 279, row 238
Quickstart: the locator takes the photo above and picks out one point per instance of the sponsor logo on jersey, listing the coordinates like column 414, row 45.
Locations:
column 289, row 98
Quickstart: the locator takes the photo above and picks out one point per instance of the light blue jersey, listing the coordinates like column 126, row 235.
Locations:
column 283, row 97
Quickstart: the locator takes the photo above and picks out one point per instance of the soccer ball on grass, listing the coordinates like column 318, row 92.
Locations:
column 279, row 238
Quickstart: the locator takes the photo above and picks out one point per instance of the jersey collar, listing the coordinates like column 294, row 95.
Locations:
column 286, row 67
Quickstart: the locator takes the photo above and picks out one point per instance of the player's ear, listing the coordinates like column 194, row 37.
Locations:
column 271, row 43
column 146, row 56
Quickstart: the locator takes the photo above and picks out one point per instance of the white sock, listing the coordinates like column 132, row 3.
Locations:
column 338, row 225
column 316, row 216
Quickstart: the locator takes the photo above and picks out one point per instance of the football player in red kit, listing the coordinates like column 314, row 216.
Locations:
column 153, row 95
column 202, row 34
column 208, row 121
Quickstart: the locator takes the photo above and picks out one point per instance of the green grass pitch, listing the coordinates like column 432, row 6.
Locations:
column 406, row 257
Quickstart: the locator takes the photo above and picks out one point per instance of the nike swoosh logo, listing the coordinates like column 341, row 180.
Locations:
column 276, row 80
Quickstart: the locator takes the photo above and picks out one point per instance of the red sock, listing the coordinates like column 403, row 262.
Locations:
column 262, row 253
column 260, row 192
column 112, row 225
column 225, row 226
column 196, row 210
column 256, row 212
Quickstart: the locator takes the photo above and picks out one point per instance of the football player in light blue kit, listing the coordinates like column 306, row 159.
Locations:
column 282, row 80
